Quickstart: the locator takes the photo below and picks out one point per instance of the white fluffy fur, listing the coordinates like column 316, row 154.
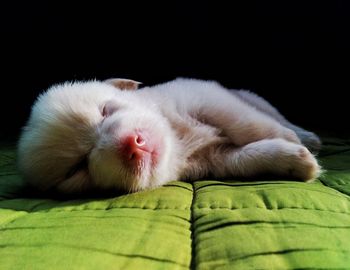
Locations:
column 204, row 130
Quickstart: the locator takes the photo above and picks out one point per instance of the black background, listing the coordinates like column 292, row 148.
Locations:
column 294, row 53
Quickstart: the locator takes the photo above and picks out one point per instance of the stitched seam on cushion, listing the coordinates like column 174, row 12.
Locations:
column 264, row 208
column 64, row 245
column 341, row 194
column 185, row 209
column 107, row 209
column 227, row 260
column 193, row 248
column 4, row 225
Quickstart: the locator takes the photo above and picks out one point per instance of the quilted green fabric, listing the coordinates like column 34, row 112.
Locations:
column 205, row 225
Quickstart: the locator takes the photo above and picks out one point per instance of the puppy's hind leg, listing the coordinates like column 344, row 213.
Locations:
column 309, row 139
column 269, row 156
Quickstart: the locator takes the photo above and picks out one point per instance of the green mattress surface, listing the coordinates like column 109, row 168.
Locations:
column 210, row 224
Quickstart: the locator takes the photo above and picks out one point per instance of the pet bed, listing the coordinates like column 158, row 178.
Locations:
column 210, row 224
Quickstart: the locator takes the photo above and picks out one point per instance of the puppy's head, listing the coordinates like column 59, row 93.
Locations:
column 96, row 134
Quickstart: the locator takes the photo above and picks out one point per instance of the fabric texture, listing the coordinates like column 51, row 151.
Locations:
column 210, row 224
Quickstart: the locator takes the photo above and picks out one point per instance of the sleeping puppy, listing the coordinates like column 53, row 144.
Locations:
column 108, row 135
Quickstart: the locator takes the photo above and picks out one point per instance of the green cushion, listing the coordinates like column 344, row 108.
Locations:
column 205, row 225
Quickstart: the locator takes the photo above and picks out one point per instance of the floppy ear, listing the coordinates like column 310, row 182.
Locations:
column 123, row 84
column 78, row 182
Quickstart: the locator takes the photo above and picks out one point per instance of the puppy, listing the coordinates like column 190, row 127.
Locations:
column 86, row 135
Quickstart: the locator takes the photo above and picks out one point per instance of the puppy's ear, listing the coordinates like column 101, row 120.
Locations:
column 77, row 182
column 123, row 84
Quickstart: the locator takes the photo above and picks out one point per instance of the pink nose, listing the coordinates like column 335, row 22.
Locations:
column 134, row 148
